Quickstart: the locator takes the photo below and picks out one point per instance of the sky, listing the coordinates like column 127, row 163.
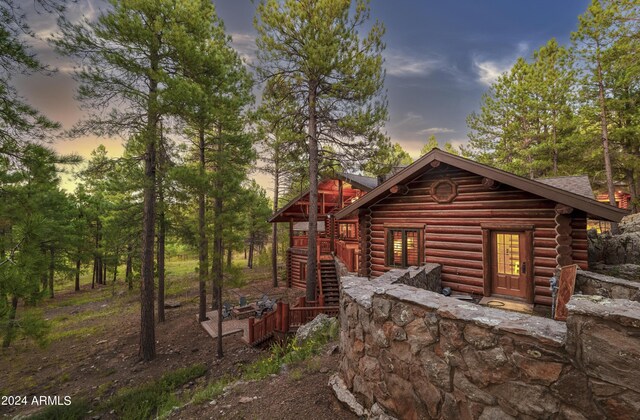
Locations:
column 440, row 57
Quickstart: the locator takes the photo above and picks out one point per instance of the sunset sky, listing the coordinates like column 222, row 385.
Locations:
column 440, row 58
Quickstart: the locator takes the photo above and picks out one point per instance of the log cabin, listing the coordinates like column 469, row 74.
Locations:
column 339, row 238
column 494, row 233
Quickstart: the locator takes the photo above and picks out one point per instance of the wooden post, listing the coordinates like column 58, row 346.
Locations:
column 290, row 233
column 252, row 320
column 331, row 223
column 340, row 199
column 321, row 300
column 302, row 301
column 279, row 316
column 285, row 317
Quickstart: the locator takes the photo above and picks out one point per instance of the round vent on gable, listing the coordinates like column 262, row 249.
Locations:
column 444, row 191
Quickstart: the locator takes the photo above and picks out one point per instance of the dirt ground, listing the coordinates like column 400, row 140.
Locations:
column 94, row 357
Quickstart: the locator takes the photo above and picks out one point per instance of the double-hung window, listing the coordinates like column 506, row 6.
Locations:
column 404, row 247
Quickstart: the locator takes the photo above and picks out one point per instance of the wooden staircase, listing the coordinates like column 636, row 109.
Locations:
column 329, row 282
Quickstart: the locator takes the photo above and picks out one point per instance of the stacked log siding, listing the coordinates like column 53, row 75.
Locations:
column 453, row 232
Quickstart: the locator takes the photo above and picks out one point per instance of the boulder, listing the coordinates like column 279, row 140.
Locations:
column 621, row 249
column 630, row 223
column 345, row 396
column 321, row 322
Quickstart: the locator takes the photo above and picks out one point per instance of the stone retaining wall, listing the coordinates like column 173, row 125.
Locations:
column 589, row 283
column 418, row 354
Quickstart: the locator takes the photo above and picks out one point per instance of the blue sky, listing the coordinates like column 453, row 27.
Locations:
column 440, row 58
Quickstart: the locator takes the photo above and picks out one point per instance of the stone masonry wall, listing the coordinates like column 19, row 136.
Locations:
column 418, row 354
column 589, row 283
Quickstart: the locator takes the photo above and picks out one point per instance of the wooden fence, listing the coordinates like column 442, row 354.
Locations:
column 287, row 319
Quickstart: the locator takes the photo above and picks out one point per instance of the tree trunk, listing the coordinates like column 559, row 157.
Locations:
column 128, row 273
column 98, row 256
column 633, row 190
column 217, row 245
column 52, row 269
column 162, row 230
column 218, row 257
column 104, row 273
column 251, row 249
column 229, row 256
column 274, row 236
column 555, row 143
column 203, row 251
column 11, row 319
column 93, row 276
column 605, row 140
column 313, row 195
column 147, row 350
column 77, row 288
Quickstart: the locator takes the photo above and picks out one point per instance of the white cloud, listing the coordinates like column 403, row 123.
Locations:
column 410, row 117
column 434, row 130
column 402, row 65
column 488, row 71
column 245, row 44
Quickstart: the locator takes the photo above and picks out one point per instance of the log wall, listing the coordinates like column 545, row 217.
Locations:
column 453, row 233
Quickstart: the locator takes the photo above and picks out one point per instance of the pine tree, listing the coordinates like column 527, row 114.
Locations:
column 593, row 42
column 129, row 56
column 312, row 56
column 213, row 80
column 431, row 144
column 36, row 220
column 387, row 160
column 20, row 123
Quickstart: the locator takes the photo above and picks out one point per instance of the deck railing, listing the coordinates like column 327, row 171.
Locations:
column 347, row 252
column 286, row 319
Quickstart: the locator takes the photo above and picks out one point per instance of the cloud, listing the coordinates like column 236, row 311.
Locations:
column 434, row 130
column 399, row 64
column 488, row 71
column 410, row 118
column 245, row 45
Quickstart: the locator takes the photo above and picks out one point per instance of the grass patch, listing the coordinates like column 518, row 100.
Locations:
column 77, row 332
column 211, row 391
column 290, row 352
column 296, row 374
column 82, row 298
column 154, row 399
column 76, row 410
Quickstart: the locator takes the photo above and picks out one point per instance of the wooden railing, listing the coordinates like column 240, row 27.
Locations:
column 286, row 319
column 300, row 316
column 300, row 241
column 262, row 329
column 347, row 252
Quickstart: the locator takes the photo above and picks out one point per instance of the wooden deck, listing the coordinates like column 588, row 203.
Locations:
column 229, row 327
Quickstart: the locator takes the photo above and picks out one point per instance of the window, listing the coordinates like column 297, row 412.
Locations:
column 348, row 231
column 508, row 253
column 404, row 247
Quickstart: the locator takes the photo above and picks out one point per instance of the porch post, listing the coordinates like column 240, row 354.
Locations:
column 331, row 222
column 290, row 233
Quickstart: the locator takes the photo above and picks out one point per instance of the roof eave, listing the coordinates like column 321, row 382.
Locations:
column 576, row 201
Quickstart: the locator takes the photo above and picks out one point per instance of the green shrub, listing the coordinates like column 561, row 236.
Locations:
column 154, row 399
column 76, row 410
column 291, row 352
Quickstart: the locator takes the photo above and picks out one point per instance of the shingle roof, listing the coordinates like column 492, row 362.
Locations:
column 304, row 226
column 365, row 181
column 576, row 184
